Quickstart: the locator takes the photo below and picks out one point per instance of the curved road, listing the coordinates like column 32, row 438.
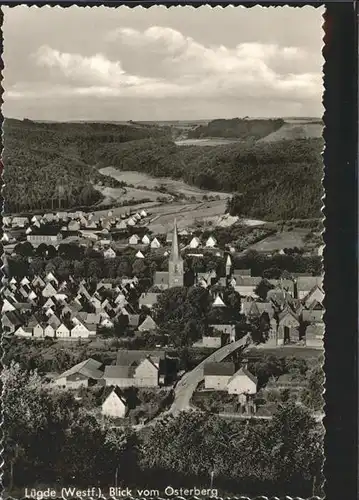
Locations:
column 188, row 383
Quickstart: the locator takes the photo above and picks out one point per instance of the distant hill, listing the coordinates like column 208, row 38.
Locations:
column 259, row 129
column 291, row 131
column 279, row 179
column 240, row 128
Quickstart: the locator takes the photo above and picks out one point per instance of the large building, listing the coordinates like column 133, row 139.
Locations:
column 175, row 275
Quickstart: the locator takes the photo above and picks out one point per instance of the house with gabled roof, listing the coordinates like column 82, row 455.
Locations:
column 49, row 311
column 155, row 243
column 147, row 325
column 38, row 331
column 7, row 306
column 62, row 331
column 242, row 382
column 23, row 331
column 136, row 368
column 49, row 290
column 49, row 303
column 218, row 302
column 38, row 282
column 288, row 327
column 194, row 243
column 80, row 331
column 32, row 296
column 139, row 255
column 113, row 403
column 211, row 242
column 109, row 253
column 146, row 240
column 305, row 284
column 217, row 375
column 314, row 314
column 316, row 294
column 49, row 331
column 25, row 281
column 246, row 285
column 83, row 374
column 11, row 320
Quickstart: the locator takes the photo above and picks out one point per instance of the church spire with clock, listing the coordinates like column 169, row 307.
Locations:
column 175, row 263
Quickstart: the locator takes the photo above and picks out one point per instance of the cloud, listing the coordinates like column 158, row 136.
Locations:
column 185, row 69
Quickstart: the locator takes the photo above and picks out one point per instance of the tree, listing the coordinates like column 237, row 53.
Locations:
column 263, row 288
column 24, row 249
column 272, row 273
column 182, row 313
column 235, row 205
column 139, row 268
column 41, row 250
column 313, row 395
column 296, row 445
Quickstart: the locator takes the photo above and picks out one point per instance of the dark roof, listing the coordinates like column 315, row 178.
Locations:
column 89, row 368
column 22, row 305
column 285, row 312
column 307, row 283
column 119, row 371
column 13, row 318
column 109, row 389
column 223, row 368
column 245, row 371
column 127, row 357
column 247, row 280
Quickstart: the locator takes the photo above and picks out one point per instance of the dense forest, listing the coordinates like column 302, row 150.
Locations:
column 275, row 180
column 56, row 161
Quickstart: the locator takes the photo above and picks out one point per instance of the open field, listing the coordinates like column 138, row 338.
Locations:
column 113, row 195
column 287, row 239
column 139, row 179
column 295, row 130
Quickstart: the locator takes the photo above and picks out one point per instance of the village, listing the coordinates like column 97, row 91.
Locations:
column 286, row 312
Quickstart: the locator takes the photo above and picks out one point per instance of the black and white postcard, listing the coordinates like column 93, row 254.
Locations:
column 162, row 305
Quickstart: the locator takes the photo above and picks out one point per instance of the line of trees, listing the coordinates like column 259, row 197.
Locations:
column 281, row 456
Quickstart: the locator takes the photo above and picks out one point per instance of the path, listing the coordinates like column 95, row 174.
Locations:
column 188, row 383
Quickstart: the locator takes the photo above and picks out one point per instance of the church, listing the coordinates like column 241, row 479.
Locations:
column 175, row 274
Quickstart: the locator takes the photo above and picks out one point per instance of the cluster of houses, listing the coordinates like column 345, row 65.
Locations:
column 45, row 307
column 293, row 308
column 141, row 369
column 66, row 310
column 152, row 369
column 87, row 225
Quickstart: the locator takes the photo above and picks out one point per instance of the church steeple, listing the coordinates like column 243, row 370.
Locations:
column 175, row 263
column 175, row 251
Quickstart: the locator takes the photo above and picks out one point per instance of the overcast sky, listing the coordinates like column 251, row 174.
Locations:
column 162, row 64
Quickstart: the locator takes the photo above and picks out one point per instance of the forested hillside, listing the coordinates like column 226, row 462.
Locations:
column 276, row 180
column 48, row 162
